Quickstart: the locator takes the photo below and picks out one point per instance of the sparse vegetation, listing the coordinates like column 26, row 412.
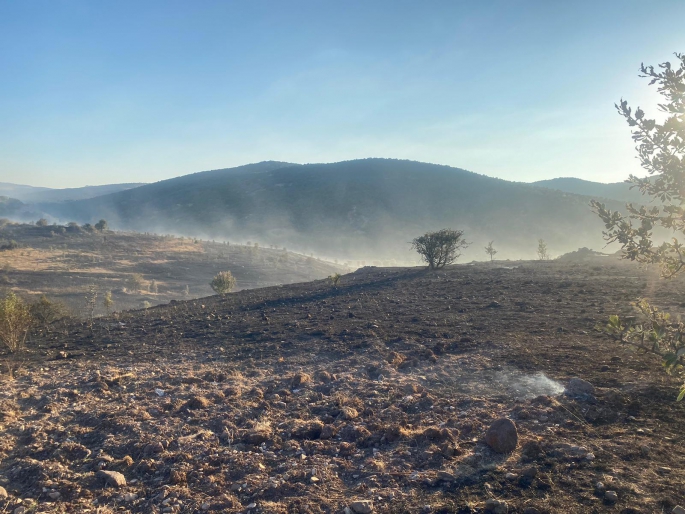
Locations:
column 543, row 253
column 440, row 248
column 223, row 282
column 108, row 302
column 15, row 322
column 45, row 311
column 334, row 279
column 661, row 150
column 490, row 250
column 135, row 282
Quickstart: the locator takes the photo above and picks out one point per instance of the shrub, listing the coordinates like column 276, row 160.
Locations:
column 543, row 254
column 490, row 250
column 15, row 322
column 42, row 222
column 101, row 225
column 334, row 279
column 661, row 151
column 223, row 282
column 10, row 245
column 45, row 311
column 135, row 282
column 440, row 248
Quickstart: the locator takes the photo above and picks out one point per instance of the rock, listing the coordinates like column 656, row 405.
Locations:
column 663, row 470
column 502, row 436
column 678, row 510
column 112, row 478
column 348, row 413
column 579, row 387
column 19, row 510
column 600, row 487
column 496, row 506
column 3, row 492
column 531, row 510
column 54, row 495
column 299, row 379
column 611, row 496
column 257, row 437
column 197, row 402
column 362, row 506
column 153, row 448
column 511, row 476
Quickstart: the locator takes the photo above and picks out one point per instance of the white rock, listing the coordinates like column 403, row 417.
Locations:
column 362, row 506
column 611, row 496
column 678, row 510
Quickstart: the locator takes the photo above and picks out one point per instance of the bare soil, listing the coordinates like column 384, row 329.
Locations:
column 306, row 398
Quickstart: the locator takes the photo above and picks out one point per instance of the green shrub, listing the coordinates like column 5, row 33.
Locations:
column 440, row 248
column 223, row 282
column 15, row 322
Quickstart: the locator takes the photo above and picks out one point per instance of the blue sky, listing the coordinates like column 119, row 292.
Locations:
column 95, row 92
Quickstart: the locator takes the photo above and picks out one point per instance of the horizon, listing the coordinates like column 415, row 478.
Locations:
column 296, row 164
column 127, row 92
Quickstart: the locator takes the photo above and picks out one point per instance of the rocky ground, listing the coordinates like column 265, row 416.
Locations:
column 376, row 396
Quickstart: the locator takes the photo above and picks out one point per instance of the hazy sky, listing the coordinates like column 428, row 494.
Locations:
column 95, row 92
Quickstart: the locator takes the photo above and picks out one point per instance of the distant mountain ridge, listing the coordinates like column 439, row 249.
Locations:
column 352, row 209
column 619, row 191
column 31, row 194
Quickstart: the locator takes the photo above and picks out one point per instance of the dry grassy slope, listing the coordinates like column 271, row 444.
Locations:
column 64, row 265
column 304, row 398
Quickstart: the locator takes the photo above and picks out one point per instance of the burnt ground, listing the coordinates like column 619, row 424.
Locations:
column 306, row 398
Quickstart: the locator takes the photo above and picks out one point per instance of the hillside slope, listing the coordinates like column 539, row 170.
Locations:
column 353, row 209
column 618, row 191
column 30, row 194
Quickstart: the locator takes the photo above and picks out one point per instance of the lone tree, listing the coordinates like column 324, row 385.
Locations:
column 543, row 254
column 661, row 151
column 223, row 282
column 490, row 250
column 102, row 225
column 440, row 248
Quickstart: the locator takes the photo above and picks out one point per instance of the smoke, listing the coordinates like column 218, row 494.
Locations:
column 523, row 386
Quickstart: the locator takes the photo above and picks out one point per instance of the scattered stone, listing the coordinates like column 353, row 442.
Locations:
column 600, row 487
column 663, row 470
column 299, row 379
column 153, row 448
column 3, row 492
column 579, row 387
column 502, row 436
column 112, row 478
column 496, row 506
column 348, row 413
column 257, row 437
column 511, row 476
column 197, row 402
column 604, row 368
column 362, row 506
column 611, row 496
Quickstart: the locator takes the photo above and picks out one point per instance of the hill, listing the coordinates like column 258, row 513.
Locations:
column 64, row 263
column 358, row 209
column 308, row 398
column 617, row 191
column 30, row 194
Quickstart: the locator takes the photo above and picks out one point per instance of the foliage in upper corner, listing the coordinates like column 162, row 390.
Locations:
column 661, row 151
column 440, row 248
